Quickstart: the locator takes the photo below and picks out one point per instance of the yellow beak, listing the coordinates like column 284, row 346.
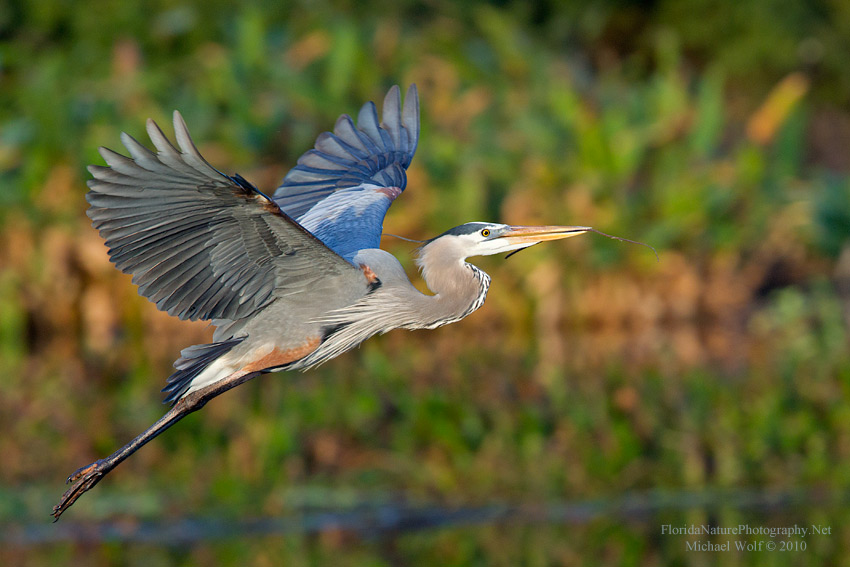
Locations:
column 535, row 234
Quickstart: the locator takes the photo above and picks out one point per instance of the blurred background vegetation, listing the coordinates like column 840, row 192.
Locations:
column 712, row 385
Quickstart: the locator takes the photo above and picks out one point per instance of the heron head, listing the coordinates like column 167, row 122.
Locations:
column 485, row 238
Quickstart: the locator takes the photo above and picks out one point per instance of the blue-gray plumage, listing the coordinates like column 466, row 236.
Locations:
column 289, row 281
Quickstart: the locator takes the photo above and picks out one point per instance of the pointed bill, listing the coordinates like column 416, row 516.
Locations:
column 534, row 234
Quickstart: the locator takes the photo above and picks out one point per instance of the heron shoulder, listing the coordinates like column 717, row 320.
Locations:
column 382, row 263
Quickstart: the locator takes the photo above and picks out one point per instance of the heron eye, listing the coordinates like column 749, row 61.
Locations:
column 485, row 232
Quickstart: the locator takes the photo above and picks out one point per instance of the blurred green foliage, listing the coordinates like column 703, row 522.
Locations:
column 718, row 135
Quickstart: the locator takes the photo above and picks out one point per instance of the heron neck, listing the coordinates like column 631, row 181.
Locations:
column 459, row 288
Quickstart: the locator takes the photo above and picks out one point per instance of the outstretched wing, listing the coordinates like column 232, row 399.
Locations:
column 341, row 189
column 200, row 244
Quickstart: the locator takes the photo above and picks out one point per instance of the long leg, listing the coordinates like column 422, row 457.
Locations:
column 88, row 476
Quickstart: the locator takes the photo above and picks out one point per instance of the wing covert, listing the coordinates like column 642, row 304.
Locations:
column 199, row 244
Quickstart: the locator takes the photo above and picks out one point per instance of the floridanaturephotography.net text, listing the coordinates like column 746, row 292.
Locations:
column 746, row 537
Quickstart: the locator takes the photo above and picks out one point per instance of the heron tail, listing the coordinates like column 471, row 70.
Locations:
column 192, row 362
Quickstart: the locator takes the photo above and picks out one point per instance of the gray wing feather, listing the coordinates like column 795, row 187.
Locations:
column 200, row 244
column 410, row 121
column 392, row 120
column 367, row 121
column 347, row 138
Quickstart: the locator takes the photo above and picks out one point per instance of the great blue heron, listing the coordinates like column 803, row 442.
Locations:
column 289, row 281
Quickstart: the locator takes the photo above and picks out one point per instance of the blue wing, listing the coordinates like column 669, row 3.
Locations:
column 341, row 189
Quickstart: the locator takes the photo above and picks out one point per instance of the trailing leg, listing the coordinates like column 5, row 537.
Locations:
column 85, row 478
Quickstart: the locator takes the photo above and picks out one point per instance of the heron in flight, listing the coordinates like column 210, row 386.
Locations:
column 289, row 281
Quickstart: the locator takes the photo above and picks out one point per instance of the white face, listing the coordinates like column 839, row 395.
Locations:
column 487, row 241
column 492, row 238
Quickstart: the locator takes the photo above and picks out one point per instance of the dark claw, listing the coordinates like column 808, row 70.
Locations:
column 77, row 474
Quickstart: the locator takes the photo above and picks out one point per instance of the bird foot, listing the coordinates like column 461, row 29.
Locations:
column 83, row 480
